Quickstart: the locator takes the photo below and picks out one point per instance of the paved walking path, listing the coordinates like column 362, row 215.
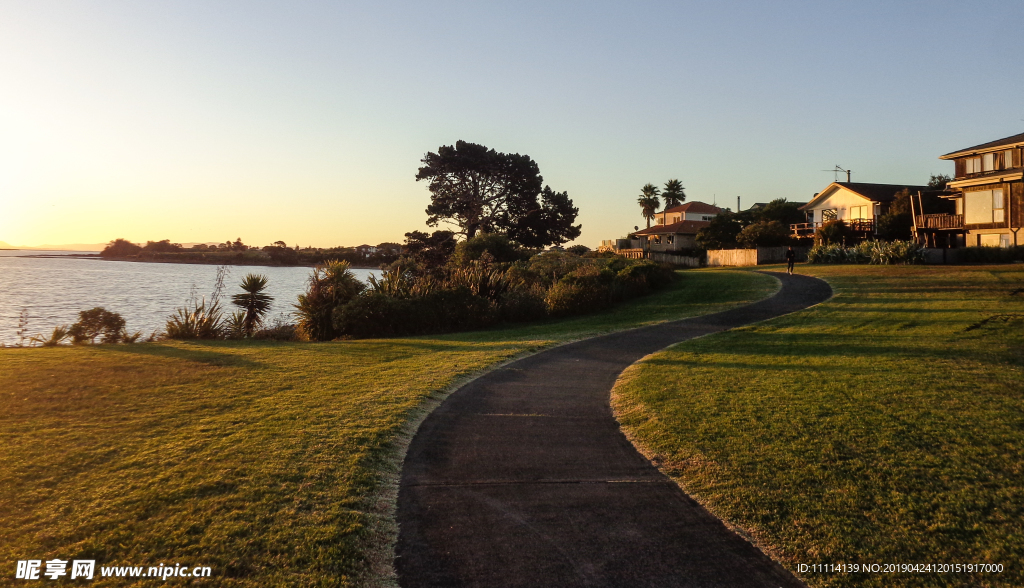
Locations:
column 522, row 477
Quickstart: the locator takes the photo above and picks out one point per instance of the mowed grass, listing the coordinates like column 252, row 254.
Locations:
column 274, row 463
column 883, row 426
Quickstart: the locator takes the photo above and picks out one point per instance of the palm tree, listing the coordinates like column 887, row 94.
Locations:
column 673, row 193
column 649, row 202
column 253, row 301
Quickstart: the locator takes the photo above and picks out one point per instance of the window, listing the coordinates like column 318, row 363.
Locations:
column 972, row 165
column 829, row 214
column 988, row 162
column 1008, row 159
column 706, row 217
column 670, row 239
column 858, row 212
column 991, row 240
column 984, row 206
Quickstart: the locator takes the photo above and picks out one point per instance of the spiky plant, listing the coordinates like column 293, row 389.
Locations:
column 253, row 302
column 196, row 321
column 331, row 285
column 59, row 335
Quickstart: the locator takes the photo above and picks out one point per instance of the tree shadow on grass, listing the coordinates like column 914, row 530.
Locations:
column 198, row 352
column 813, row 352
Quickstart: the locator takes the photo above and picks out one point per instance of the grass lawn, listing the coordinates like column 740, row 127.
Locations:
column 883, row 426
column 274, row 463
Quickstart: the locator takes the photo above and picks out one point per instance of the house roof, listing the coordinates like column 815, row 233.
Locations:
column 695, row 207
column 991, row 145
column 873, row 192
column 689, row 227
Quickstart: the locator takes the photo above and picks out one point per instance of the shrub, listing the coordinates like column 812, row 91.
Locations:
column 551, row 266
column 640, row 278
column 97, row 322
column 763, row 234
column 523, row 305
column 586, row 289
column 330, row 286
column 501, row 249
column 873, row 252
column 197, row 320
column 59, row 335
column 376, row 314
column 833, row 232
column 826, row 253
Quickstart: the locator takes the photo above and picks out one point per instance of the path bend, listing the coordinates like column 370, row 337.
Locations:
column 523, row 478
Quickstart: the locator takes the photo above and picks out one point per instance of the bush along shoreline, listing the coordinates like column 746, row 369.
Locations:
column 478, row 295
column 464, row 289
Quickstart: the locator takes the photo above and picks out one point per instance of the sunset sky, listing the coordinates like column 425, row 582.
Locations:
column 305, row 121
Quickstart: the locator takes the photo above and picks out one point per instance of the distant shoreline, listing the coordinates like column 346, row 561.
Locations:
column 201, row 261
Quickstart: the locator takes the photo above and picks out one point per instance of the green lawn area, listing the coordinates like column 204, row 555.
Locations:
column 883, row 426
column 274, row 463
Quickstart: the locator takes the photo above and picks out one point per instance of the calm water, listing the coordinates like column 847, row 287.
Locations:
column 53, row 290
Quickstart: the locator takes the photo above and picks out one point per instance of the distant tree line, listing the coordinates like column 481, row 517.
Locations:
column 237, row 252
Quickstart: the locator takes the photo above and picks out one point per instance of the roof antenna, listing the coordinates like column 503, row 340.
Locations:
column 836, row 171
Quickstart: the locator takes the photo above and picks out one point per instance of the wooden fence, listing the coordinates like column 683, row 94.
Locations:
column 680, row 260
column 759, row 256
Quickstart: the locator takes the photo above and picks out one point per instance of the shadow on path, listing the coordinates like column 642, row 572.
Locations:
column 523, row 478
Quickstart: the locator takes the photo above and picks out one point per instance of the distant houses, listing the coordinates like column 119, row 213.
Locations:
column 983, row 205
column 676, row 228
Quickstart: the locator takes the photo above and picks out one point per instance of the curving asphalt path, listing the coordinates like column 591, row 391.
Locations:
column 523, row 478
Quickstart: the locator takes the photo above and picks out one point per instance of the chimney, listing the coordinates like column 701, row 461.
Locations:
column 738, row 204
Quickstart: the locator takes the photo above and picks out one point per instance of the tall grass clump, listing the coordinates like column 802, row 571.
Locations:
column 197, row 320
column 868, row 252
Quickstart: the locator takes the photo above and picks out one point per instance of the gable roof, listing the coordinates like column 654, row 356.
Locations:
column 689, row 227
column 1010, row 141
column 873, row 192
column 694, row 207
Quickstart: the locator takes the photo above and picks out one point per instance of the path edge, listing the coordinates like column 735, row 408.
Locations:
column 383, row 501
column 651, row 456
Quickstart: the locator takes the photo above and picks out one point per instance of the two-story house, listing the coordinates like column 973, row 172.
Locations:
column 988, row 192
column 676, row 228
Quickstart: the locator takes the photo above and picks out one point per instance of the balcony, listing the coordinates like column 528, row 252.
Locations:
column 863, row 226
column 940, row 221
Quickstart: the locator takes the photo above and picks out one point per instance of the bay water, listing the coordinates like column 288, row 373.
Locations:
column 44, row 289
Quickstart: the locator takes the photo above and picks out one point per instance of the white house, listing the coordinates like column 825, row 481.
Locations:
column 855, row 203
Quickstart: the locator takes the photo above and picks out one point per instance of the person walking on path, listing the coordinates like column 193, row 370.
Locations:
column 790, row 259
